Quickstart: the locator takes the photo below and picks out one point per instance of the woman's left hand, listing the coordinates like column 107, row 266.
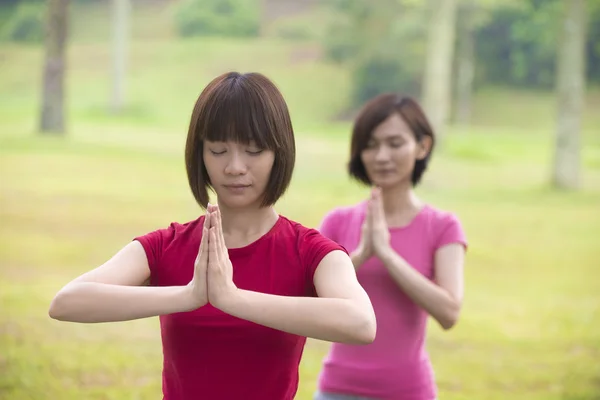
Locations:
column 380, row 231
column 220, row 270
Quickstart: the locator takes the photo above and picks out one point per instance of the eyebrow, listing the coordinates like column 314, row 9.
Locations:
column 390, row 136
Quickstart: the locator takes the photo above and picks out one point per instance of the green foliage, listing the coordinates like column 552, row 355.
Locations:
column 379, row 74
column 593, row 43
column 25, row 24
column 233, row 18
column 517, row 45
column 516, row 42
column 383, row 44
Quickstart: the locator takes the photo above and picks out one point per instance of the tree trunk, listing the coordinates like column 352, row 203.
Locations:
column 120, row 26
column 52, row 119
column 437, row 82
column 465, row 74
column 570, row 87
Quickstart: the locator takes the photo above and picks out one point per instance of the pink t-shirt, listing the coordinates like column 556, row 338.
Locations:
column 396, row 365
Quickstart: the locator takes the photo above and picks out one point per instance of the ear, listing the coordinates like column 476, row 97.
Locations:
column 424, row 147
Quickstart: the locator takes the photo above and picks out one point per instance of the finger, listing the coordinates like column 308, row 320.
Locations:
column 214, row 224
column 368, row 212
column 220, row 233
column 213, row 253
column 203, row 258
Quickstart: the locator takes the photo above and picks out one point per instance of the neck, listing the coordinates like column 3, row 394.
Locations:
column 248, row 221
column 400, row 200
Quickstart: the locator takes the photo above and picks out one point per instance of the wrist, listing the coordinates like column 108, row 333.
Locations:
column 228, row 301
column 385, row 253
column 358, row 256
column 191, row 299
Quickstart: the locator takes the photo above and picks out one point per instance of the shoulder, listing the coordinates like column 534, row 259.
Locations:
column 440, row 217
column 310, row 246
column 155, row 242
column 308, row 240
column 343, row 213
column 174, row 230
column 445, row 226
column 342, row 218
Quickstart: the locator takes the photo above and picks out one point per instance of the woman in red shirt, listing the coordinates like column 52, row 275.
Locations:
column 239, row 289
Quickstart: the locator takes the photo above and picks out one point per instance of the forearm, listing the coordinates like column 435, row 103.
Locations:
column 357, row 258
column 91, row 302
column 329, row 319
column 434, row 299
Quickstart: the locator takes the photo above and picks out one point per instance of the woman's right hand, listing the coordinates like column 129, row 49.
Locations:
column 198, row 288
column 365, row 248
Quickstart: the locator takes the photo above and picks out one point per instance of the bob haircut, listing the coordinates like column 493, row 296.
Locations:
column 241, row 108
column 373, row 113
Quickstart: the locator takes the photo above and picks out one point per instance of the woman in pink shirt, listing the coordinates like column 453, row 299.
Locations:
column 239, row 289
column 408, row 256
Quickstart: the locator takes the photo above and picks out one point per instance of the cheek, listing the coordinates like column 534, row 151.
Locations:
column 406, row 154
column 367, row 158
column 264, row 167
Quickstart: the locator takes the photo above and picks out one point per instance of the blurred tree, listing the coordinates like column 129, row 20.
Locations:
column 437, row 81
column 52, row 110
column 465, row 61
column 233, row 18
column 120, row 26
column 23, row 22
column 381, row 42
column 570, row 88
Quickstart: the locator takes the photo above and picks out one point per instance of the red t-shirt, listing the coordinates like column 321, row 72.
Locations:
column 212, row 355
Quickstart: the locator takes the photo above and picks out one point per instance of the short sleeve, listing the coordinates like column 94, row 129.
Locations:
column 313, row 247
column 153, row 244
column 451, row 231
column 330, row 225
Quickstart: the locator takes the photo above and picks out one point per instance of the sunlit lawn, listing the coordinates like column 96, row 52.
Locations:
column 531, row 321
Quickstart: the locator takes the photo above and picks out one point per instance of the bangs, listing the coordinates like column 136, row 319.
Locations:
column 235, row 112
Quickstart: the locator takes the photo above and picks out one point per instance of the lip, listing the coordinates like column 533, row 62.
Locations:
column 384, row 171
column 236, row 186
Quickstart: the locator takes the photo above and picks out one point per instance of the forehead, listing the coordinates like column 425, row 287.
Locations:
column 392, row 126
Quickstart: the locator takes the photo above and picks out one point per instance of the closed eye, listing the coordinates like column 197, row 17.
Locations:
column 254, row 152
column 216, row 153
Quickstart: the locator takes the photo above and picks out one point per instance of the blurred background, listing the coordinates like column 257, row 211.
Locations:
column 95, row 100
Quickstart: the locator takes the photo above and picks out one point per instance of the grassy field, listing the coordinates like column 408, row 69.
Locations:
column 531, row 317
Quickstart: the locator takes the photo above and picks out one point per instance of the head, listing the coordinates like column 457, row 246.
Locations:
column 391, row 142
column 240, row 142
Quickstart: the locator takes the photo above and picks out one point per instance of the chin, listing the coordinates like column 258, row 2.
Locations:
column 386, row 183
column 237, row 201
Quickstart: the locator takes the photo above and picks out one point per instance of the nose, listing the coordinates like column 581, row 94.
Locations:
column 382, row 154
column 235, row 165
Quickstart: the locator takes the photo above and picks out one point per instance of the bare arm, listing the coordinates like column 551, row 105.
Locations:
column 441, row 299
column 358, row 258
column 342, row 312
column 114, row 292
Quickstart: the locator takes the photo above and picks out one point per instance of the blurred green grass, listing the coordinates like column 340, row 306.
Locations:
column 531, row 318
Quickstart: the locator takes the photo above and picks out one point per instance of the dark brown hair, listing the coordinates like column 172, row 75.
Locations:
column 373, row 113
column 241, row 108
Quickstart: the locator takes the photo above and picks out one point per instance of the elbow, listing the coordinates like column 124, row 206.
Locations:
column 368, row 333
column 58, row 309
column 365, row 330
column 55, row 311
column 448, row 323
column 450, row 317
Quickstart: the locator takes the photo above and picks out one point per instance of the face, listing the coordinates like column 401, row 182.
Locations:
column 239, row 173
column 391, row 152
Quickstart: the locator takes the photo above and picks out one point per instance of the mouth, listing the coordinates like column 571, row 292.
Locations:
column 236, row 186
